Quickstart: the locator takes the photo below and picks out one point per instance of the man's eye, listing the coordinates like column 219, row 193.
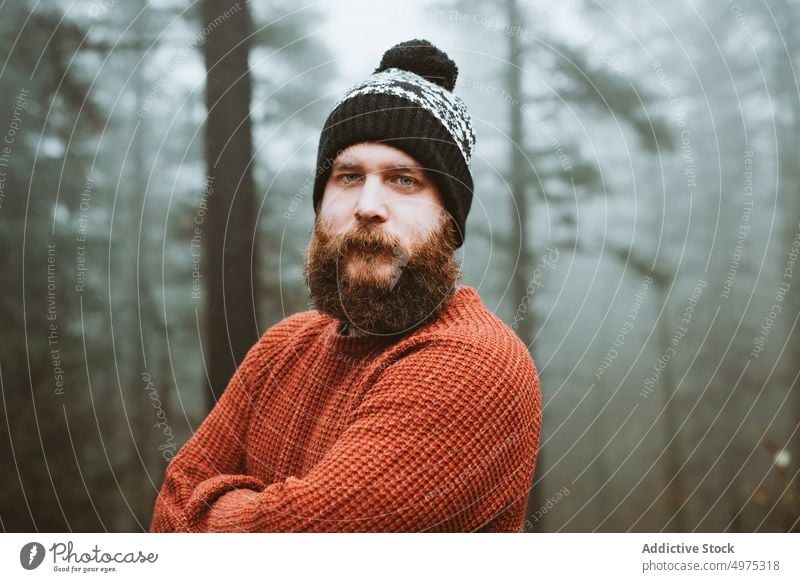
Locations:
column 349, row 177
column 405, row 181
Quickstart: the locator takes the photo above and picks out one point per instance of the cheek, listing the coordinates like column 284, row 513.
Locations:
column 419, row 215
column 336, row 208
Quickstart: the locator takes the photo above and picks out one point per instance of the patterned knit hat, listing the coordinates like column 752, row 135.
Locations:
column 408, row 103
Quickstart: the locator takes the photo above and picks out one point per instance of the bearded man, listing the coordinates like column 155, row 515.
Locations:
column 401, row 403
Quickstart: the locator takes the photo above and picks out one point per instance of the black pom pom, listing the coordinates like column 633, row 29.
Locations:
column 422, row 58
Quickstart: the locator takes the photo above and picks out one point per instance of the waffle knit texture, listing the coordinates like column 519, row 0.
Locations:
column 322, row 432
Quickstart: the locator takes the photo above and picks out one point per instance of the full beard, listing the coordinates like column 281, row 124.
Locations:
column 367, row 279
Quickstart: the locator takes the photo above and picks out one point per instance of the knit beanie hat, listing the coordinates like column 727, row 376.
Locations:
column 408, row 103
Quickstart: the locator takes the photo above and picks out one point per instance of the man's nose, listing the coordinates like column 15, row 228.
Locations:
column 371, row 205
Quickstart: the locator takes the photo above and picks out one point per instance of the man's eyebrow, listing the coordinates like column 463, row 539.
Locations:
column 403, row 166
column 344, row 165
column 350, row 165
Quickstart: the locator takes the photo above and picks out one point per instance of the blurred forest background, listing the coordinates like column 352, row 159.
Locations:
column 636, row 221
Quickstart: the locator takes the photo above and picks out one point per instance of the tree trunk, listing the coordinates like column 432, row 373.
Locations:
column 519, row 217
column 676, row 493
column 228, row 230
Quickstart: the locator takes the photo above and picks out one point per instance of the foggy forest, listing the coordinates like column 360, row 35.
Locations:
column 636, row 222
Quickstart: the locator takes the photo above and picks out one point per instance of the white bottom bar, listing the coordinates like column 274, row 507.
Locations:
column 405, row 557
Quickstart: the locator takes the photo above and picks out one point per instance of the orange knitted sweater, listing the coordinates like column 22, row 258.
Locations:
column 319, row 431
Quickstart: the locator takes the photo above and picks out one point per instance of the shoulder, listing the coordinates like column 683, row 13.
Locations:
column 465, row 362
column 486, row 353
column 284, row 335
column 482, row 337
column 484, row 382
column 293, row 325
column 470, row 347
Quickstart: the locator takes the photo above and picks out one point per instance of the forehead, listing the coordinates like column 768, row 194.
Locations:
column 375, row 154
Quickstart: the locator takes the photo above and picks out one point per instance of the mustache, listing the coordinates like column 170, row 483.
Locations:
column 372, row 240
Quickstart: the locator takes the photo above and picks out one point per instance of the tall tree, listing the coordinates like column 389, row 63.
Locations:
column 228, row 240
column 40, row 362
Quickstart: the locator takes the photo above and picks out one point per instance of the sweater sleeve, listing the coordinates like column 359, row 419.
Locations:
column 217, row 448
column 445, row 439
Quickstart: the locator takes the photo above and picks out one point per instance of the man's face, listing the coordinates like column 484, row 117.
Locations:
column 381, row 256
